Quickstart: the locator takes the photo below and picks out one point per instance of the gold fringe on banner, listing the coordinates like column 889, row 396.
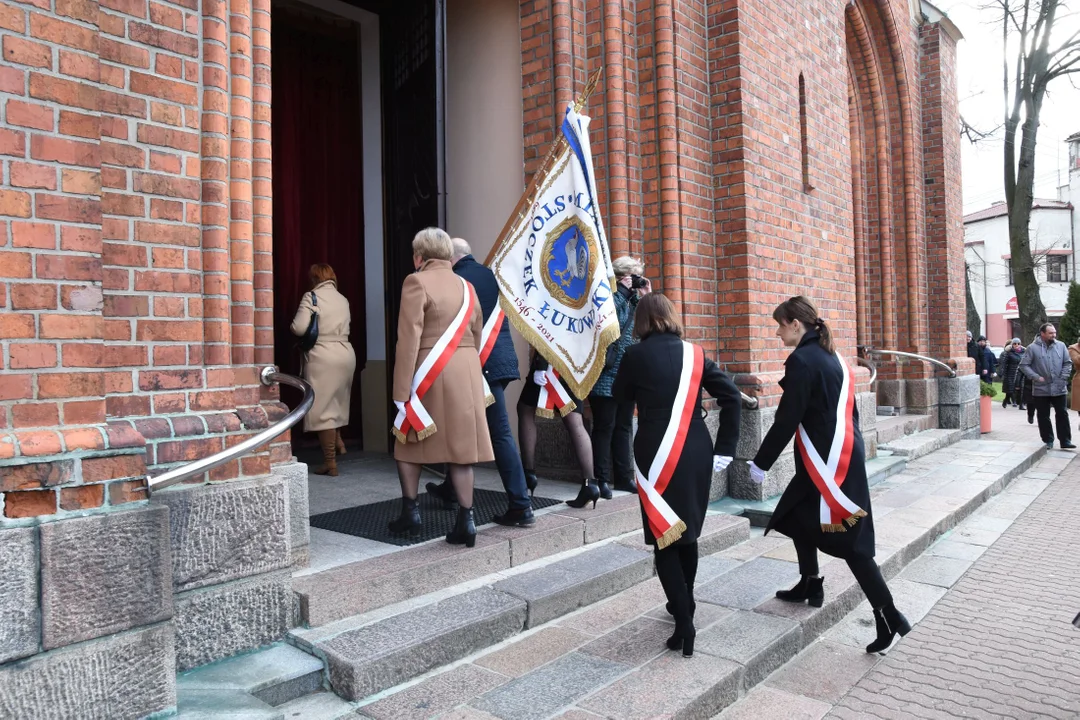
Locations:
column 545, row 413
column 672, row 535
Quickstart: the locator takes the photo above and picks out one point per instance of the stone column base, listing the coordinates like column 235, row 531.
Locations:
column 958, row 402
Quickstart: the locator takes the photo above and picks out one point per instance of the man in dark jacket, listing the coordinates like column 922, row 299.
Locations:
column 985, row 362
column 501, row 369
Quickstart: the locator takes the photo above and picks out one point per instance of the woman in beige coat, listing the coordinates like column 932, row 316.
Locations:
column 1074, row 355
column 431, row 299
column 329, row 366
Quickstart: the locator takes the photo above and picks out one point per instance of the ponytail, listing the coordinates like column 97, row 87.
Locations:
column 801, row 309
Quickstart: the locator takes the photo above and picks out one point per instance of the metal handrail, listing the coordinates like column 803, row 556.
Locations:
column 865, row 362
column 750, row 403
column 269, row 375
column 932, row 361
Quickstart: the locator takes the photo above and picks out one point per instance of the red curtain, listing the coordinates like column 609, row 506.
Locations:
column 317, row 177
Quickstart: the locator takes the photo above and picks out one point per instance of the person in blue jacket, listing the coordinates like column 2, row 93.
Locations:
column 985, row 362
column 501, row 369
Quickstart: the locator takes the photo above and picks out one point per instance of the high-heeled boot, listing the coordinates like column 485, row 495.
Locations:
column 531, row 481
column 464, row 532
column 810, row 589
column 605, row 489
column 328, row 442
column 589, row 492
column 683, row 637
column 890, row 622
column 339, row 442
column 409, row 521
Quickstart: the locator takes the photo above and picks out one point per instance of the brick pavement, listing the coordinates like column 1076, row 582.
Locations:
column 1000, row 644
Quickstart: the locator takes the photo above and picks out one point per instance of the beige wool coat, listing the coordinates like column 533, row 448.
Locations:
column 1074, row 355
column 430, row 299
column 329, row 366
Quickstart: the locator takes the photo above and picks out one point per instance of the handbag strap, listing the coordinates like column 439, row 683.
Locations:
column 314, row 300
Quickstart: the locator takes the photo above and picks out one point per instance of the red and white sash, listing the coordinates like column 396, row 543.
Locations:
column 415, row 416
column 487, row 343
column 829, row 474
column 553, row 397
column 666, row 526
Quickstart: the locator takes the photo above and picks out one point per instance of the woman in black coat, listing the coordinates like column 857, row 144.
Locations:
column 674, row 456
column 1007, row 369
column 826, row 506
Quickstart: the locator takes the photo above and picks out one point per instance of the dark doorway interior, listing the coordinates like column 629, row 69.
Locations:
column 317, row 175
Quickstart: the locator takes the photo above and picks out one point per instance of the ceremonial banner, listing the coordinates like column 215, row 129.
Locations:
column 554, row 267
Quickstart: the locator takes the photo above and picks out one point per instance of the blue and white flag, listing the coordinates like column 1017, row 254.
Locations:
column 554, row 266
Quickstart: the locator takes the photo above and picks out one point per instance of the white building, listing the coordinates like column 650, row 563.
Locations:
column 1055, row 225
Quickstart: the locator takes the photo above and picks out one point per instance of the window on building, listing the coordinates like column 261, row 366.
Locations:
column 1057, row 268
column 803, row 146
column 1008, row 270
column 1014, row 331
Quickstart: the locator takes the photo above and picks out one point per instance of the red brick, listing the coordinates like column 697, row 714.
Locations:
column 80, row 182
column 69, row 267
column 169, row 66
column 66, row 152
column 68, row 209
column 127, row 491
column 167, row 16
column 114, row 127
column 168, row 114
column 32, row 355
column 169, row 355
column 16, row 326
column 75, row 327
column 12, row 18
column 81, row 66
column 119, row 406
column 168, row 258
column 12, row 80
column 61, row 32
column 124, row 54
column 25, row 52
column 171, row 90
column 169, row 331
column 78, row 239
column 27, row 296
column 117, row 383
column 15, row 265
column 166, row 209
column 34, row 476
column 29, row 115
column 163, row 162
column 120, row 104
column 170, row 403
column 70, row 385
column 123, row 155
column 33, row 235
column 36, row 415
column 118, row 330
column 113, row 468
column 84, row 412
column 87, row 355
column 85, row 10
column 83, row 439
column 39, row 442
column 156, row 380
column 153, row 184
column 30, row 503
column 126, row 306
column 79, row 125
column 14, row 204
column 84, row 497
column 124, row 254
column 171, row 282
column 187, row 450
column 114, row 179
column 15, row 387
column 164, row 39
column 135, row 8
column 168, row 234
column 113, row 76
column 29, row 175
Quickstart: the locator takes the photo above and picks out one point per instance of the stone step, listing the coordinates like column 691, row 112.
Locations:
column 922, row 443
column 897, row 426
column 274, row 675
column 323, row 705
column 203, row 704
column 609, row 659
column 360, row 587
column 381, row 649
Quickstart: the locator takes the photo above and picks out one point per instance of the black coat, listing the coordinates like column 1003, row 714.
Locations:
column 502, row 364
column 1007, row 368
column 972, row 349
column 985, row 360
column 649, row 377
column 812, row 384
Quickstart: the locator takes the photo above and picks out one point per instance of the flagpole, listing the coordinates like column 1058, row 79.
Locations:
column 545, row 167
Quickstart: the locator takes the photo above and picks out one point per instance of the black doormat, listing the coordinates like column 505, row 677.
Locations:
column 369, row 521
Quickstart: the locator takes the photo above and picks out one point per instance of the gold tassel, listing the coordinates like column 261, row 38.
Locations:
column 833, row 527
column 399, row 435
column 855, row 518
column 566, row 409
column 426, row 432
column 672, row 535
column 545, row 413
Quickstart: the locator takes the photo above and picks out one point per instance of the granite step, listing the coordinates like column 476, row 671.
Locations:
column 922, row 443
column 363, row 586
column 897, row 426
column 273, row 675
column 609, row 660
column 391, row 645
column 206, row 704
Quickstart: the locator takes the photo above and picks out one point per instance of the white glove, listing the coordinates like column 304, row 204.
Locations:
column 540, row 377
column 720, row 462
column 756, row 473
column 400, row 406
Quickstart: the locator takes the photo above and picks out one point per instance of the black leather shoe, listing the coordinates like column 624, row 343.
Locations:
column 409, row 521
column 444, row 492
column 1067, row 446
column 589, row 492
column 809, row 589
column 890, row 623
column 516, row 517
column 464, row 532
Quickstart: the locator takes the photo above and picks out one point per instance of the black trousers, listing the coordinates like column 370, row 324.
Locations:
column 676, row 566
column 1061, row 418
column 866, row 572
column 612, row 424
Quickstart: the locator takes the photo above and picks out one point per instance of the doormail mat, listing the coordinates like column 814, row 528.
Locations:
column 370, row 521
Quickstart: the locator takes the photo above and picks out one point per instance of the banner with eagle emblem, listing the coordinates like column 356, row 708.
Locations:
column 553, row 264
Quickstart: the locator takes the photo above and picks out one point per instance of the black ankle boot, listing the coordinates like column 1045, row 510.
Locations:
column 531, row 481
column 605, row 489
column 683, row 639
column 810, row 589
column 464, row 532
column 409, row 522
column 444, row 492
column 589, row 492
column 890, row 622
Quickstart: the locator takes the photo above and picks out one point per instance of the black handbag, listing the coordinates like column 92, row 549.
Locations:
column 311, row 335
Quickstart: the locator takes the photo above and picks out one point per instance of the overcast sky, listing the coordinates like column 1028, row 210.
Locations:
column 981, row 101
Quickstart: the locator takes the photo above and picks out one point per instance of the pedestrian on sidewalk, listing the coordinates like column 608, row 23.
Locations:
column 663, row 376
column 826, row 506
column 1046, row 363
column 1074, row 357
column 500, row 369
column 1008, row 365
column 985, row 362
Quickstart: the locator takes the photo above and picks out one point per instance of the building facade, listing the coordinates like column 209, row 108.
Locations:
column 170, row 169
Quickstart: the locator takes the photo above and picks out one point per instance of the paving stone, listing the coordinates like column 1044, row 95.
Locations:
column 103, row 574
column 610, row 518
column 767, row 702
column 711, row 567
column 467, row 713
column 824, row 671
column 760, row 642
column 70, row 683
column 531, row 652
column 749, row 584
column 436, row 695
column 228, row 531
column 566, row 585
column 552, row 534
column 670, row 686
column 275, row 675
column 951, row 548
column 635, row 643
column 202, row 704
column 936, row 570
column 358, row 587
column 625, row 606
column 378, row 656
column 318, row 706
column 541, row 692
column 20, row 627
column 914, row 600
column 220, row 621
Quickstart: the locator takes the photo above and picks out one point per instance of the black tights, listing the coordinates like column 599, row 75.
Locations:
column 866, row 572
column 676, row 566
column 575, row 427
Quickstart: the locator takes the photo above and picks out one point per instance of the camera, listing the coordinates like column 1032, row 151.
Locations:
column 636, row 281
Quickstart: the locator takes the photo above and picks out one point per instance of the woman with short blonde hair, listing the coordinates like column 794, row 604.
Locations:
column 432, row 244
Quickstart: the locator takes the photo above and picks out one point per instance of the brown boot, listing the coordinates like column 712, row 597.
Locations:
column 340, row 442
column 328, row 441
